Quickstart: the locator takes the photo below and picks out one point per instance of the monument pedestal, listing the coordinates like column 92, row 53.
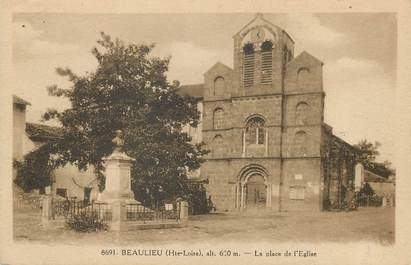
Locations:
column 117, row 193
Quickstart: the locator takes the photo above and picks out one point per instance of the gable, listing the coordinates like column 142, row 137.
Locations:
column 258, row 20
column 306, row 59
column 218, row 68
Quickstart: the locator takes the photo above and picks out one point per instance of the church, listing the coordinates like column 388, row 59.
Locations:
column 263, row 122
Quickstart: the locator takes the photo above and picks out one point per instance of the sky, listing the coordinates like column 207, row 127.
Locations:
column 358, row 51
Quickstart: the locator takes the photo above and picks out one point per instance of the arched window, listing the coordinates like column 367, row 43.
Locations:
column 218, row 140
column 248, row 64
column 255, row 131
column 300, row 143
column 301, row 112
column 219, row 86
column 303, row 77
column 285, row 55
column 218, row 118
column 289, row 56
column 266, row 62
column 266, row 46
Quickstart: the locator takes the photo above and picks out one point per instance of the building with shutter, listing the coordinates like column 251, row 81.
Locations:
column 263, row 121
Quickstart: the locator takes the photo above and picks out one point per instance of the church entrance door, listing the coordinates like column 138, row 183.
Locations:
column 253, row 189
column 256, row 193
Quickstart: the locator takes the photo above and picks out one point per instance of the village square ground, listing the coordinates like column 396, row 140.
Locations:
column 365, row 224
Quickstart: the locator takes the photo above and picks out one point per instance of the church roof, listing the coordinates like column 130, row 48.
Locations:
column 194, row 90
column 372, row 177
column 42, row 132
column 329, row 130
column 341, row 141
column 20, row 101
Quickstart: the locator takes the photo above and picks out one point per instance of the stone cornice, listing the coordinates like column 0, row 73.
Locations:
column 263, row 96
column 263, row 158
column 266, row 126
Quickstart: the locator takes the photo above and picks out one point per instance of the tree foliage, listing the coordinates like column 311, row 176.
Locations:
column 128, row 91
column 368, row 152
column 367, row 155
column 34, row 172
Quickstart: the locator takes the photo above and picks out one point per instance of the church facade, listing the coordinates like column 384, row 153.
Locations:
column 263, row 121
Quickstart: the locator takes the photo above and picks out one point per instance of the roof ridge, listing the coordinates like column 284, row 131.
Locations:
column 38, row 131
column 44, row 125
column 19, row 100
column 197, row 84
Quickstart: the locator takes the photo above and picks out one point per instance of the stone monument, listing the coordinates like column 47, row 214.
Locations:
column 117, row 192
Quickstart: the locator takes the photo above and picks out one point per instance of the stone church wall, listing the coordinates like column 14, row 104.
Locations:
column 303, row 176
column 304, row 109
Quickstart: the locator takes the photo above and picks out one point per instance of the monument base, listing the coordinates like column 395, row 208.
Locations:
column 111, row 196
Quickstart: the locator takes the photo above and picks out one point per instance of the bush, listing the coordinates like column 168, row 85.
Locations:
column 366, row 190
column 197, row 199
column 86, row 222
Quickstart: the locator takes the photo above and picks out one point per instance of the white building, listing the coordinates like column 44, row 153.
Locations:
column 67, row 181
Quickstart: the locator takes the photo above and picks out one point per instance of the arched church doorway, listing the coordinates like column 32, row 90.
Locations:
column 256, row 192
column 253, row 189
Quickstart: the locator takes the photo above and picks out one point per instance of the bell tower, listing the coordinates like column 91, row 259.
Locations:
column 261, row 50
column 262, row 123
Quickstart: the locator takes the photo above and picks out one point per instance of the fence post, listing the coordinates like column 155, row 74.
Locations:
column 46, row 210
column 183, row 208
column 119, row 216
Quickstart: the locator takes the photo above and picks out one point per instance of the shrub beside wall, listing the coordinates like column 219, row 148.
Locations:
column 197, row 199
column 86, row 222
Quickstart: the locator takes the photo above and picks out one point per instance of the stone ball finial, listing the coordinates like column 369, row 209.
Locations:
column 118, row 141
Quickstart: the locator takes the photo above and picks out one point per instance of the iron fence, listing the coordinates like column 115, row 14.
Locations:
column 369, row 201
column 137, row 212
column 71, row 208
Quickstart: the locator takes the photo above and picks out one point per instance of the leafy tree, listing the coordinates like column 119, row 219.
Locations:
column 368, row 152
column 367, row 155
column 128, row 91
column 34, row 172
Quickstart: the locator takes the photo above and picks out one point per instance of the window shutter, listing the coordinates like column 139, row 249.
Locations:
column 266, row 67
column 248, row 65
column 266, row 62
column 249, row 69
